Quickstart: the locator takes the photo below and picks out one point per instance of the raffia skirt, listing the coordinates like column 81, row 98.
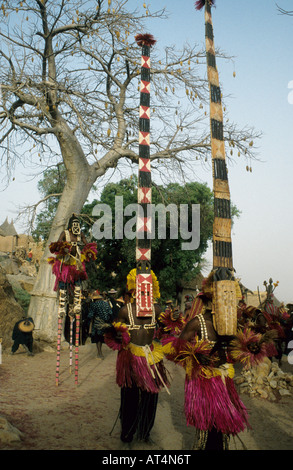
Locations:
column 142, row 366
column 214, row 403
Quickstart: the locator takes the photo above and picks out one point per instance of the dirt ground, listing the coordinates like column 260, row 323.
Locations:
column 84, row 417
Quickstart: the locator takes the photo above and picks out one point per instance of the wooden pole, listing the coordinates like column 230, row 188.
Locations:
column 58, row 349
column 70, row 344
column 144, row 298
column 224, row 285
column 222, row 244
column 77, row 324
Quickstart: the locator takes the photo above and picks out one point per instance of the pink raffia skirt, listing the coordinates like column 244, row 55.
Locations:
column 67, row 273
column 214, row 402
column 147, row 372
column 70, row 273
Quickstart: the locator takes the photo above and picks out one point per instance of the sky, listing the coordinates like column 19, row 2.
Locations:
column 260, row 40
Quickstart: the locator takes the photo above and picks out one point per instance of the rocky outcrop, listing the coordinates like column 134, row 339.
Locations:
column 18, row 268
column 21, row 281
column 8, row 433
column 10, row 266
column 16, row 287
column 10, row 310
column 266, row 381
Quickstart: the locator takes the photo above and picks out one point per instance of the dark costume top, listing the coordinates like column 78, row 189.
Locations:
column 21, row 337
column 101, row 313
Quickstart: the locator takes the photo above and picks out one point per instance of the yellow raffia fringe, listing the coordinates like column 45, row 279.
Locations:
column 187, row 358
column 225, row 370
column 190, row 358
column 70, row 261
column 131, row 283
column 168, row 349
column 118, row 324
column 121, row 325
column 157, row 352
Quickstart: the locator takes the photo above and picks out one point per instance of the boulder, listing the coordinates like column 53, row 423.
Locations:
column 28, row 269
column 21, row 281
column 10, row 266
column 284, row 392
column 27, row 286
column 8, row 433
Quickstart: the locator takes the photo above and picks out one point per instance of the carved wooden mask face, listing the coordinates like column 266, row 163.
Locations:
column 144, row 295
column 75, row 227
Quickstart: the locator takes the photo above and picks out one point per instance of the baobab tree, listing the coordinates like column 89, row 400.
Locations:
column 69, row 74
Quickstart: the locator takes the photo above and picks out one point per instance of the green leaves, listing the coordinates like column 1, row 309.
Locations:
column 171, row 264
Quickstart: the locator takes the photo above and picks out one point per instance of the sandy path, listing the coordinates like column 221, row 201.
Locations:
column 70, row 417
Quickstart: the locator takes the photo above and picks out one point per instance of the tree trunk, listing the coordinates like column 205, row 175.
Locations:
column 80, row 178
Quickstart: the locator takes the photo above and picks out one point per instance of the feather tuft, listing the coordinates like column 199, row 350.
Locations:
column 145, row 39
column 199, row 4
column 250, row 348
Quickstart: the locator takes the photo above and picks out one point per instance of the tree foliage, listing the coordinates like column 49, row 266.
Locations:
column 172, row 265
column 116, row 257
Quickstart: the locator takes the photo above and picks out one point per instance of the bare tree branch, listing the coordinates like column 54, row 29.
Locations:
column 284, row 12
column 70, row 74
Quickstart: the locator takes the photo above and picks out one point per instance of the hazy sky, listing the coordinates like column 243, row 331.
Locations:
column 260, row 40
